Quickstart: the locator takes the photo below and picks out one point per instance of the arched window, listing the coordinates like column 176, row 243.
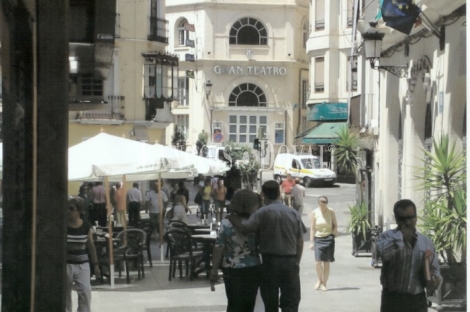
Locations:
column 248, row 31
column 247, row 94
column 183, row 34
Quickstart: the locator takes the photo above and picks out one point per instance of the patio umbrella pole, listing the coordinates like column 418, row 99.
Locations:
column 125, row 192
column 110, row 234
column 160, row 204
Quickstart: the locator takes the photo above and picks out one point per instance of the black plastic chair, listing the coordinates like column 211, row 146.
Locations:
column 129, row 250
column 181, row 250
column 147, row 227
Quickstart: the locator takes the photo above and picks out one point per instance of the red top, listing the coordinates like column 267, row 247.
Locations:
column 287, row 185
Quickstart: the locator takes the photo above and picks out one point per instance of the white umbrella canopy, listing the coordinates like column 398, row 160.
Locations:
column 181, row 159
column 108, row 155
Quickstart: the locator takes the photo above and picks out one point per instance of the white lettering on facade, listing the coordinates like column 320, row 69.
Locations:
column 250, row 70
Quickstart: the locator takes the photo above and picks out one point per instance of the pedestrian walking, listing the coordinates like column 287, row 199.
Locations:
column 134, row 198
column 80, row 249
column 323, row 231
column 237, row 255
column 297, row 196
column 219, row 199
column 153, row 204
column 99, row 203
column 286, row 187
column 120, row 205
column 405, row 254
column 280, row 231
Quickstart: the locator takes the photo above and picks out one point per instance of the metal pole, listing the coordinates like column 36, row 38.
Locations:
column 110, row 233
column 160, row 205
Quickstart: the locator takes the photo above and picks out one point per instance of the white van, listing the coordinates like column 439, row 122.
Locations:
column 305, row 167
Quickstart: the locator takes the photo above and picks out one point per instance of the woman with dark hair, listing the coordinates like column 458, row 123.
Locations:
column 79, row 246
column 323, row 231
column 237, row 255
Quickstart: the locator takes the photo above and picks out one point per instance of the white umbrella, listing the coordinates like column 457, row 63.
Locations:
column 198, row 164
column 108, row 155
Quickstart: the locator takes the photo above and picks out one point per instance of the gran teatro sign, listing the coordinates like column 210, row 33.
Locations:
column 250, row 70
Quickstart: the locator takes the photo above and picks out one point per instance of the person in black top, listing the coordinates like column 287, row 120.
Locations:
column 182, row 188
column 79, row 246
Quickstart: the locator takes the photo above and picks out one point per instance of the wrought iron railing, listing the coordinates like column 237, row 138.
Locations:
column 114, row 109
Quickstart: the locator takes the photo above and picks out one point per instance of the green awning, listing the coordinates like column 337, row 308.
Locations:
column 324, row 133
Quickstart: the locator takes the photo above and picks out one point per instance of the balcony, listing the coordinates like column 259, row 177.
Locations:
column 158, row 30
column 112, row 112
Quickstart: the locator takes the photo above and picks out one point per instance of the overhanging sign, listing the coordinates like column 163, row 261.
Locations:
column 327, row 112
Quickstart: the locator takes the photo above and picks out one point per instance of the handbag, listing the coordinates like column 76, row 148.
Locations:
column 198, row 198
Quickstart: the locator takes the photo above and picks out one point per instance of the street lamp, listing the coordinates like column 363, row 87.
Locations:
column 208, row 88
column 373, row 48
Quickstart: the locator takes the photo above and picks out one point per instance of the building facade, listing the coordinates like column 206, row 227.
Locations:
column 133, row 98
column 127, row 101
column 413, row 93
column 243, row 71
column 334, row 76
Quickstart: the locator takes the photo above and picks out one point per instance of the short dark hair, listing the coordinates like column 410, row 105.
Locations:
column 402, row 205
column 271, row 190
column 243, row 201
column 135, row 184
column 78, row 203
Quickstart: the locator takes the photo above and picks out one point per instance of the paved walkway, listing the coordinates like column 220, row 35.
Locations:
column 353, row 286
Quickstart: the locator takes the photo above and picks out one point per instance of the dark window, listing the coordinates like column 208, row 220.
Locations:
column 91, row 86
column 428, row 123
column 247, row 94
column 248, row 31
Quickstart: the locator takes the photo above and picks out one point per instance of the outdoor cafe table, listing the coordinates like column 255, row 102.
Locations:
column 201, row 231
column 208, row 242
column 198, row 226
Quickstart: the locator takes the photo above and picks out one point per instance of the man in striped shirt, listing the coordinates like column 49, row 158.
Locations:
column 403, row 272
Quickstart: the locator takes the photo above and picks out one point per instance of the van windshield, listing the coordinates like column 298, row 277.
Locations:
column 310, row 163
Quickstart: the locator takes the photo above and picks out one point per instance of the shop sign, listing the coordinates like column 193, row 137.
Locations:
column 327, row 112
column 250, row 70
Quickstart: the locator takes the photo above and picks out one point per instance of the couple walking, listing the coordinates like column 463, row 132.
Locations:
column 273, row 233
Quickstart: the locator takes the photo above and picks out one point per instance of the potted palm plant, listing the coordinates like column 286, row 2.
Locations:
column 347, row 153
column 444, row 219
column 360, row 229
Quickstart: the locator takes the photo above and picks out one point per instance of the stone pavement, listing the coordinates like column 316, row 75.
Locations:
column 353, row 286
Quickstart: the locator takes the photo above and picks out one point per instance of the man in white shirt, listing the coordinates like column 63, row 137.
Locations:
column 134, row 199
column 154, row 206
